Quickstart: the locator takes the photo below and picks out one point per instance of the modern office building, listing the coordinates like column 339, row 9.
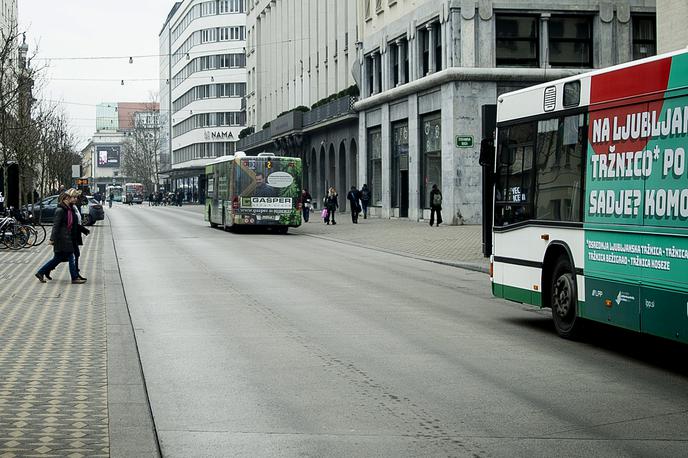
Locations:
column 301, row 89
column 202, row 86
column 432, row 72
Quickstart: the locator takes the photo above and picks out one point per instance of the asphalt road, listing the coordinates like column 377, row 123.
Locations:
column 269, row 345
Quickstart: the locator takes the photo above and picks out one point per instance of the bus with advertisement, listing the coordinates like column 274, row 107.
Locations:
column 115, row 191
column 134, row 191
column 254, row 191
column 591, row 198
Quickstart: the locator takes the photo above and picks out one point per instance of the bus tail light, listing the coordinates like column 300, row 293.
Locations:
column 491, row 269
column 235, row 203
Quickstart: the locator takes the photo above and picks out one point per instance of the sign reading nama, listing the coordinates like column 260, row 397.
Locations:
column 218, row 136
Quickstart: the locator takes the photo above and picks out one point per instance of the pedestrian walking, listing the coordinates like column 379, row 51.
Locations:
column 111, row 197
column 305, row 204
column 435, row 205
column 331, row 204
column 2, row 202
column 365, row 200
column 354, row 198
column 78, row 240
column 62, row 239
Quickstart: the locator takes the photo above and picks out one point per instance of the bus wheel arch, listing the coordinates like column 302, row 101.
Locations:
column 560, row 290
column 210, row 219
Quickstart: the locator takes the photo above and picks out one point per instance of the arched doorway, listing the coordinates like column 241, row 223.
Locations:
column 343, row 184
column 322, row 183
column 332, row 168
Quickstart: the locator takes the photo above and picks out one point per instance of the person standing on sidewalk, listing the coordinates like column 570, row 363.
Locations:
column 62, row 239
column 306, row 204
column 331, row 203
column 365, row 200
column 354, row 196
column 81, row 229
column 435, row 205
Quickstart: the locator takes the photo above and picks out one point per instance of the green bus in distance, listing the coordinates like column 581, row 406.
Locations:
column 258, row 191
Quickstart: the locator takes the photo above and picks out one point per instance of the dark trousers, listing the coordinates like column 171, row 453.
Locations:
column 306, row 213
column 434, row 210
column 77, row 253
column 56, row 260
column 354, row 215
column 330, row 215
column 364, row 204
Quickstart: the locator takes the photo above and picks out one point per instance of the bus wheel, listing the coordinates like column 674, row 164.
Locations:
column 213, row 225
column 564, row 300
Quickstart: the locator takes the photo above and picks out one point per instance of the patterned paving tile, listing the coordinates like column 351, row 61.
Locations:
column 53, row 356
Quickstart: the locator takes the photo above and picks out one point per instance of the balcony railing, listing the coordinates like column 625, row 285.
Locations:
column 259, row 137
column 334, row 109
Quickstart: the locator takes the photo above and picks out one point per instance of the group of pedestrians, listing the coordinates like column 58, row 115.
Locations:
column 66, row 237
column 359, row 200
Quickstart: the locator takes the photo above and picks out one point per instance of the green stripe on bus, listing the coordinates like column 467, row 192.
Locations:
column 522, row 295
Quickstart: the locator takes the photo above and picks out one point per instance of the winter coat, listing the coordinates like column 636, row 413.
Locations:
column 331, row 202
column 62, row 238
column 354, row 197
column 432, row 199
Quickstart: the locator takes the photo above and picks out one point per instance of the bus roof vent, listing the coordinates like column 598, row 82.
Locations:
column 239, row 154
column 550, row 98
column 266, row 155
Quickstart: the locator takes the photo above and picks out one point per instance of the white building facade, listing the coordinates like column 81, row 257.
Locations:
column 431, row 73
column 203, row 82
column 298, row 52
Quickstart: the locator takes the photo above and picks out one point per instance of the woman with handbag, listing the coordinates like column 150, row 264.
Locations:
column 331, row 204
column 65, row 228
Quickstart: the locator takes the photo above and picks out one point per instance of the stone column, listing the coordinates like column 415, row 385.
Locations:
column 432, row 35
column 400, row 61
column 414, row 158
column 386, row 161
column 376, row 76
column 544, row 40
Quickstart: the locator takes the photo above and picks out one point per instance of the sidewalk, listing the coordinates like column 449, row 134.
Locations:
column 459, row 246
column 70, row 380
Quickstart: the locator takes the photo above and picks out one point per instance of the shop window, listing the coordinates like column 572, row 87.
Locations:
column 517, row 41
column 431, row 156
column 400, row 149
column 570, row 41
column 513, row 196
column 644, row 36
column 375, row 166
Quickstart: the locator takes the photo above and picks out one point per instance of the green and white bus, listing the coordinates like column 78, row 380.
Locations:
column 259, row 191
column 591, row 198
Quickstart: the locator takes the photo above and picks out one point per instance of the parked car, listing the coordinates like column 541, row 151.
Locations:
column 91, row 210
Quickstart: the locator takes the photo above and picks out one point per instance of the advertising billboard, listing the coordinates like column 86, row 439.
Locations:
column 108, row 155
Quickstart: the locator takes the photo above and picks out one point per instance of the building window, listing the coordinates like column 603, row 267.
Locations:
column 424, row 35
column 369, row 74
column 375, row 166
column 394, row 56
column 400, row 149
column 570, row 41
column 644, row 36
column 437, row 31
column 517, row 41
column 431, row 156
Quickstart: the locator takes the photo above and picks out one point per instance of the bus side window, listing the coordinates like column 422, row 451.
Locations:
column 513, row 196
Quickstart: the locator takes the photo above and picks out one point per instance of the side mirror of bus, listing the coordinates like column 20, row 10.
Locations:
column 487, row 153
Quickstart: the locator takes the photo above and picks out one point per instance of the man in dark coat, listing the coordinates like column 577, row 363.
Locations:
column 354, row 197
column 65, row 229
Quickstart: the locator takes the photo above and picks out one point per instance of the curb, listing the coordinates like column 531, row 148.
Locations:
column 475, row 267
column 131, row 424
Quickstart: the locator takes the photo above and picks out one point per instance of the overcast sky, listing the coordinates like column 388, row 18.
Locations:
column 60, row 29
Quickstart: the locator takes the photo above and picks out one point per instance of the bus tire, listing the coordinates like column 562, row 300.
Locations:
column 564, row 299
column 213, row 225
